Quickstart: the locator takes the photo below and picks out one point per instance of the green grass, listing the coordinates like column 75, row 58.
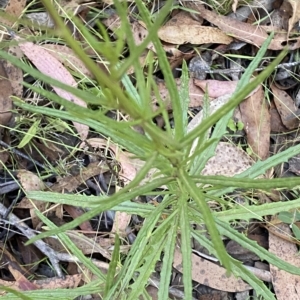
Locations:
column 184, row 202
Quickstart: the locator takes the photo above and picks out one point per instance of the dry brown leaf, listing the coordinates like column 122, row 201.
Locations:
column 30, row 255
column 76, row 212
column 67, row 57
column 286, row 285
column 256, row 119
column 140, row 33
column 88, row 245
column 30, row 181
column 183, row 18
column 175, row 56
column 214, row 105
column 50, row 66
column 70, row 183
column 55, row 282
column 13, row 10
column 296, row 14
column 49, row 283
column 83, row 243
column 21, row 281
column 8, row 258
column 286, row 107
column 14, row 74
column 183, row 34
column 121, row 221
column 276, row 123
column 182, row 28
column 5, row 101
column 210, row 274
column 216, row 88
column 255, row 35
column 229, row 160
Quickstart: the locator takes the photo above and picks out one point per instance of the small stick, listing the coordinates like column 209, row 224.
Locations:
column 53, row 256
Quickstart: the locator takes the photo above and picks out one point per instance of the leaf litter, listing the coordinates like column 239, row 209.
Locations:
column 229, row 159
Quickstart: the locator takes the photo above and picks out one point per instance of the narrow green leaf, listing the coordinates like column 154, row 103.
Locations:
column 29, row 134
column 209, row 221
column 17, row 294
column 104, row 204
column 184, row 96
column 136, row 255
column 112, row 265
column 251, row 245
column 164, row 65
column 185, row 247
column 166, row 271
column 263, row 184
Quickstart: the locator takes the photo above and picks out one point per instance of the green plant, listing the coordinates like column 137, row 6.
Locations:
column 291, row 218
column 184, row 203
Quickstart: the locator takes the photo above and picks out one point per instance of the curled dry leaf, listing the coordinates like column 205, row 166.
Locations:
column 286, row 107
column 295, row 14
column 67, row 57
column 181, row 30
column 256, row 118
column 30, row 181
column 286, row 285
column 211, row 274
column 183, row 34
column 50, row 66
column 255, row 35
